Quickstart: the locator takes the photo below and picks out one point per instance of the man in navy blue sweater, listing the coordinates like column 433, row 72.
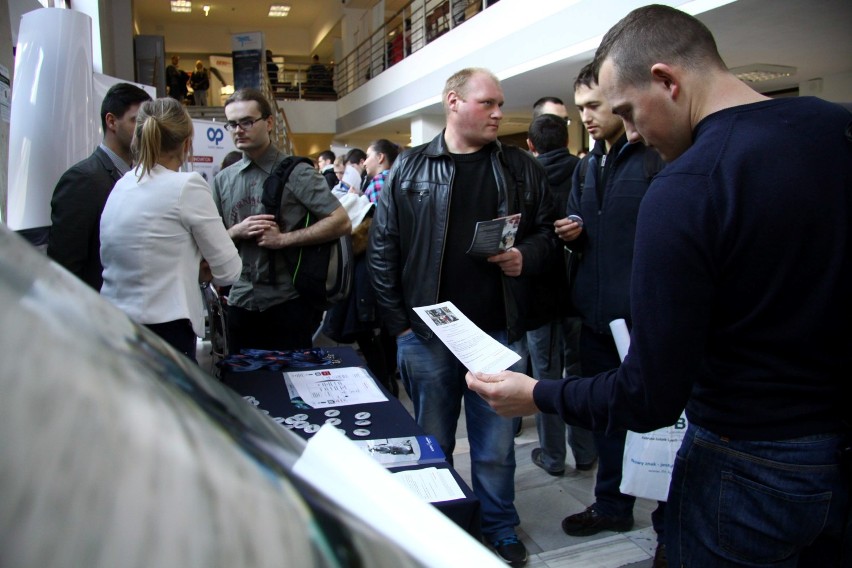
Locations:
column 741, row 298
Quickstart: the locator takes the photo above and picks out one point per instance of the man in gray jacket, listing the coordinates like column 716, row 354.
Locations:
column 82, row 191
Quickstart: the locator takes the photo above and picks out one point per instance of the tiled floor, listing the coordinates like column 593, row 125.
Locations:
column 543, row 501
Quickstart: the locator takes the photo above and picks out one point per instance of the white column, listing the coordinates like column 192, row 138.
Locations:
column 425, row 127
column 53, row 123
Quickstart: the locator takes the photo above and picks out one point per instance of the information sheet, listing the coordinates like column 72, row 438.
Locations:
column 432, row 484
column 324, row 388
column 477, row 350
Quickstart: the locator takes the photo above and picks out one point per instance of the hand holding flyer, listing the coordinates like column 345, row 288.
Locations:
column 477, row 350
column 495, row 236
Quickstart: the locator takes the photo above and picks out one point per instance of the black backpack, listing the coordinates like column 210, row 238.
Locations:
column 322, row 273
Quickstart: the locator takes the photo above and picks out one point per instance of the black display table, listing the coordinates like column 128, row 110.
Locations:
column 388, row 419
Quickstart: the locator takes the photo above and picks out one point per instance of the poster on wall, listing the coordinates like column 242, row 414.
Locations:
column 247, row 53
column 222, row 70
column 210, row 144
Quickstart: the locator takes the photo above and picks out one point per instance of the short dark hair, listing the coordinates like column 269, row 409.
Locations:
column 586, row 77
column 386, row 147
column 251, row 95
column 119, row 98
column 355, row 156
column 231, row 157
column 548, row 132
column 327, row 155
column 654, row 34
column 537, row 106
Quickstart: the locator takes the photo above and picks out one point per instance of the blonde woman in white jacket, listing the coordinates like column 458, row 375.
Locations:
column 161, row 232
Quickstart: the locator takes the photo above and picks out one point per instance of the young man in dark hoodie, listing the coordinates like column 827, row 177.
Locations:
column 548, row 140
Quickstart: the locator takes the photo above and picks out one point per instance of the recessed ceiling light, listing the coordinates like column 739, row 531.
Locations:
column 181, row 6
column 279, row 10
column 762, row 72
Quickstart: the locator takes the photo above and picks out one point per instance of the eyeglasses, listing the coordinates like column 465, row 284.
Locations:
column 245, row 123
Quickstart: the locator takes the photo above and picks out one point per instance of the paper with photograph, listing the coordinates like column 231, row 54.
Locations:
column 477, row 350
column 495, row 236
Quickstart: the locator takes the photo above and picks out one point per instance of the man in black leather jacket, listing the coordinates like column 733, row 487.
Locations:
column 423, row 225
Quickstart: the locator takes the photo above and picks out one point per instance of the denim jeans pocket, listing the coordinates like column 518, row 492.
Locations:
column 407, row 337
column 763, row 524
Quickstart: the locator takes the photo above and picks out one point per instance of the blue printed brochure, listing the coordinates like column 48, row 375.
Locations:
column 404, row 450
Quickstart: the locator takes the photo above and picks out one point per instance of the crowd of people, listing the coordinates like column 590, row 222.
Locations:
column 677, row 221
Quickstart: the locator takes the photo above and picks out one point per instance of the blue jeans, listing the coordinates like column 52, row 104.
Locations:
column 434, row 379
column 545, row 346
column 754, row 503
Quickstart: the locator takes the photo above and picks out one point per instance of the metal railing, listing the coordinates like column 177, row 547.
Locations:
column 418, row 23
column 313, row 82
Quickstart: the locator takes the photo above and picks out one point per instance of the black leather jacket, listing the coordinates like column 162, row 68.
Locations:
column 407, row 239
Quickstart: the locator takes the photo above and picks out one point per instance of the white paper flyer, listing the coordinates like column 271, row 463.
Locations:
column 477, row 350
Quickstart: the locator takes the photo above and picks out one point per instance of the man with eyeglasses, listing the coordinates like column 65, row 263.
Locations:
column 265, row 311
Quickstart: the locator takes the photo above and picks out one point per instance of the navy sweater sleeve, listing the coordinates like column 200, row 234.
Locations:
column 741, row 282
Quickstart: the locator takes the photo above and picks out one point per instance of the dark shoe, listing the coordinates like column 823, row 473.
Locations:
column 591, row 522
column 511, row 550
column 660, row 558
column 586, row 466
column 536, row 459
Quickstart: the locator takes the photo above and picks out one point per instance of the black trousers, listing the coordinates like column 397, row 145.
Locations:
column 178, row 334
column 290, row 325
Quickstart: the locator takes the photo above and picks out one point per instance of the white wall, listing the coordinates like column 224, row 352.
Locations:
column 835, row 88
column 306, row 117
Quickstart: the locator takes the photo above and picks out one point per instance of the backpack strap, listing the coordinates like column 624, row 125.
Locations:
column 273, row 189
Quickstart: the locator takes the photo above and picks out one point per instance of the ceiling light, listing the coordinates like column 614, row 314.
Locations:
column 762, row 72
column 206, row 9
column 279, row 11
column 181, row 6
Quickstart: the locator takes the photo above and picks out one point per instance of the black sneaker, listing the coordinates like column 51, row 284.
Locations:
column 536, row 459
column 511, row 550
column 660, row 558
column 591, row 522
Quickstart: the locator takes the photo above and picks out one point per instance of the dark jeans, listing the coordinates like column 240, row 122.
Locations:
column 290, row 325
column 598, row 354
column 178, row 334
column 757, row 503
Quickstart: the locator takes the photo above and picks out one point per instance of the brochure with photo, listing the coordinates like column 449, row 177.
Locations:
column 495, row 236
column 403, row 450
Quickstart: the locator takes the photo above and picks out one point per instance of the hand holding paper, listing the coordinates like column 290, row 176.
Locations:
column 510, row 262
column 508, row 393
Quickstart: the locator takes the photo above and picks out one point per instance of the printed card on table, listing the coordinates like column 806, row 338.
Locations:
column 325, row 388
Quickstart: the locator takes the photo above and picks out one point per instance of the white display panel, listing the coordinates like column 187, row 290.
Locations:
column 52, row 124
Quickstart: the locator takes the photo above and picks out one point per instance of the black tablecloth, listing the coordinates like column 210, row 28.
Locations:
column 388, row 419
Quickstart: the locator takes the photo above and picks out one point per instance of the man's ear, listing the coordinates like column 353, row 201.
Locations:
column 110, row 121
column 452, row 101
column 667, row 77
column 530, row 146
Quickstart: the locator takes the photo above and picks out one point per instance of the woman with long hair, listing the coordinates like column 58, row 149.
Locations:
column 161, row 232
